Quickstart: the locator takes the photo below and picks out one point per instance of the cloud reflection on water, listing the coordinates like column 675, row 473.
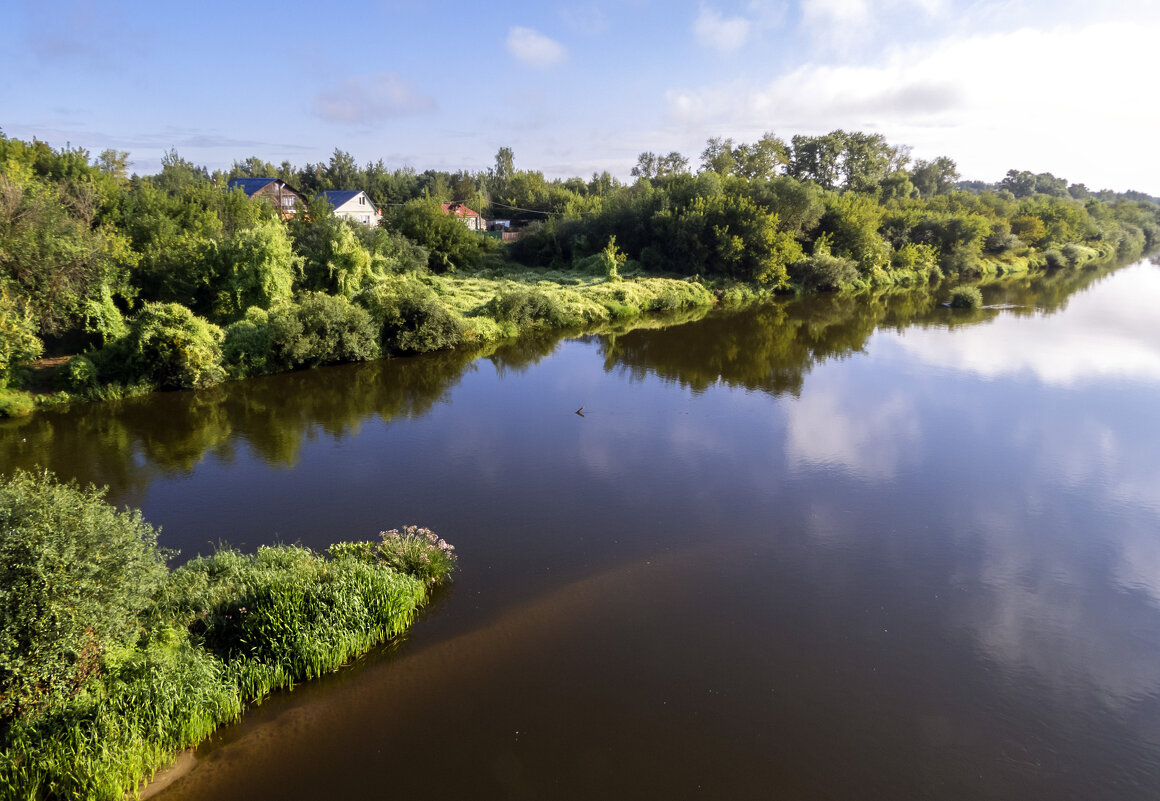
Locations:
column 1109, row 332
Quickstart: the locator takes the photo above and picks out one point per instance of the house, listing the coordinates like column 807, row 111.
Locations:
column 470, row 218
column 353, row 204
column 283, row 196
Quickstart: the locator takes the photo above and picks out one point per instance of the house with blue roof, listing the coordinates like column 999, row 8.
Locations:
column 283, row 196
column 354, row 204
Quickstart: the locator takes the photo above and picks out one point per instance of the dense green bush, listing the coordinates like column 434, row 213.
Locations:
column 18, row 340
column 74, row 574
column 411, row 318
column 526, row 308
column 1055, row 260
column 823, row 270
column 78, row 375
column 248, row 348
column 258, row 268
column 322, row 329
column 966, row 297
column 449, row 243
column 109, row 665
column 416, row 551
column 168, row 346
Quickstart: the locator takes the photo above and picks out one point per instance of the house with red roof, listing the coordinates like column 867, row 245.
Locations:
column 471, row 219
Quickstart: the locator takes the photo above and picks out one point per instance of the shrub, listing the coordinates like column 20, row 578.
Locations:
column 449, row 243
column 526, row 308
column 1055, row 260
column 78, row 375
column 411, row 318
column 322, row 329
column 18, row 340
column 74, row 574
column 168, row 346
column 14, row 403
column 415, row 551
column 823, row 270
column 966, row 297
column 248, row 349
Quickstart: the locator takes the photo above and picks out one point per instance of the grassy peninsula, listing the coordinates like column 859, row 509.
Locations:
column 110, row 663
column 176, row 281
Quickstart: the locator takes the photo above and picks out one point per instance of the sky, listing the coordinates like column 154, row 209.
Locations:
column 1060, row 86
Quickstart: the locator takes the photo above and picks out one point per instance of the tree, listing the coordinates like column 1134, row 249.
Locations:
column 935, row 177
column 178, row 173
column 817, row 158
column 259, row 269
column 867, row 159
column 115, row 164
column 718, row 156
column 1020, row 183
column 650, row 166
column 504, row 165
column 762, row 159
column 342, row 172
column 449, row 243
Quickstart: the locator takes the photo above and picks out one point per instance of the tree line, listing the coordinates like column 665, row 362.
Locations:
column 119, row 266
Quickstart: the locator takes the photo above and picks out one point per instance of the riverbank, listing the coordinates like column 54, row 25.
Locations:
column 403, row 315
column 140, row 662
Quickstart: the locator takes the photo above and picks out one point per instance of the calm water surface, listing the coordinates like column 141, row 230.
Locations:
column 826, row 549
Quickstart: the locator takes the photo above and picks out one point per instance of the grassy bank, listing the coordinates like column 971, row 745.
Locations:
column 110, row 663
column 167, row 347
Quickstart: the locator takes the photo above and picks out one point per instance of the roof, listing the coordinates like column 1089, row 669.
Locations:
column 337, row 197
column 458, row 210
column 250, row 185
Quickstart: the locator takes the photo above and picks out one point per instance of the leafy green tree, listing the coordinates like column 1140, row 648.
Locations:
column 178, row 173
column 650, row 166
column 817, row 158
column 867, row 159
column 259, row 268
column 18, row 340
column 449, row 243
column 115, row 164
column 718, row 156
column 763, row 159
column 53, row 251
column 74, row 576
column 852, row 223
column 934, row 177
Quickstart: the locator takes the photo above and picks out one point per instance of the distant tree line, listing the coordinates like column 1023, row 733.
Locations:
column 121, row 266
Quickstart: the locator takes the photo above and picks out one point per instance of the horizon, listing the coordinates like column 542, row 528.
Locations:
column 580, row 89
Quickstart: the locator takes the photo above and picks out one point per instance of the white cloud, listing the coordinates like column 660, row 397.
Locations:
column 714, row 30
column 989, row 101
column 835, row 12
column 375, row 97
column 532, row 47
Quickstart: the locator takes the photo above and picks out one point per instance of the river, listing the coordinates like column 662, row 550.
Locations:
column 828, row 548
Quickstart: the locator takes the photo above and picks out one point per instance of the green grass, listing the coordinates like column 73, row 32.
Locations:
column 219, row 633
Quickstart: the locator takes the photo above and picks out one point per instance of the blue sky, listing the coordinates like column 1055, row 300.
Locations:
column 578, row 87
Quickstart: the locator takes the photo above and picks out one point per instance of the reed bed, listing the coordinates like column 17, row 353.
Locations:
column 220, row 633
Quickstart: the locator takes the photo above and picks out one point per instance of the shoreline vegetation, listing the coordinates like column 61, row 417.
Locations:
column 132, row 284
column 136, row 662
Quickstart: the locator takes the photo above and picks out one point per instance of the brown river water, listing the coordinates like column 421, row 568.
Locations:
column 827, row 548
